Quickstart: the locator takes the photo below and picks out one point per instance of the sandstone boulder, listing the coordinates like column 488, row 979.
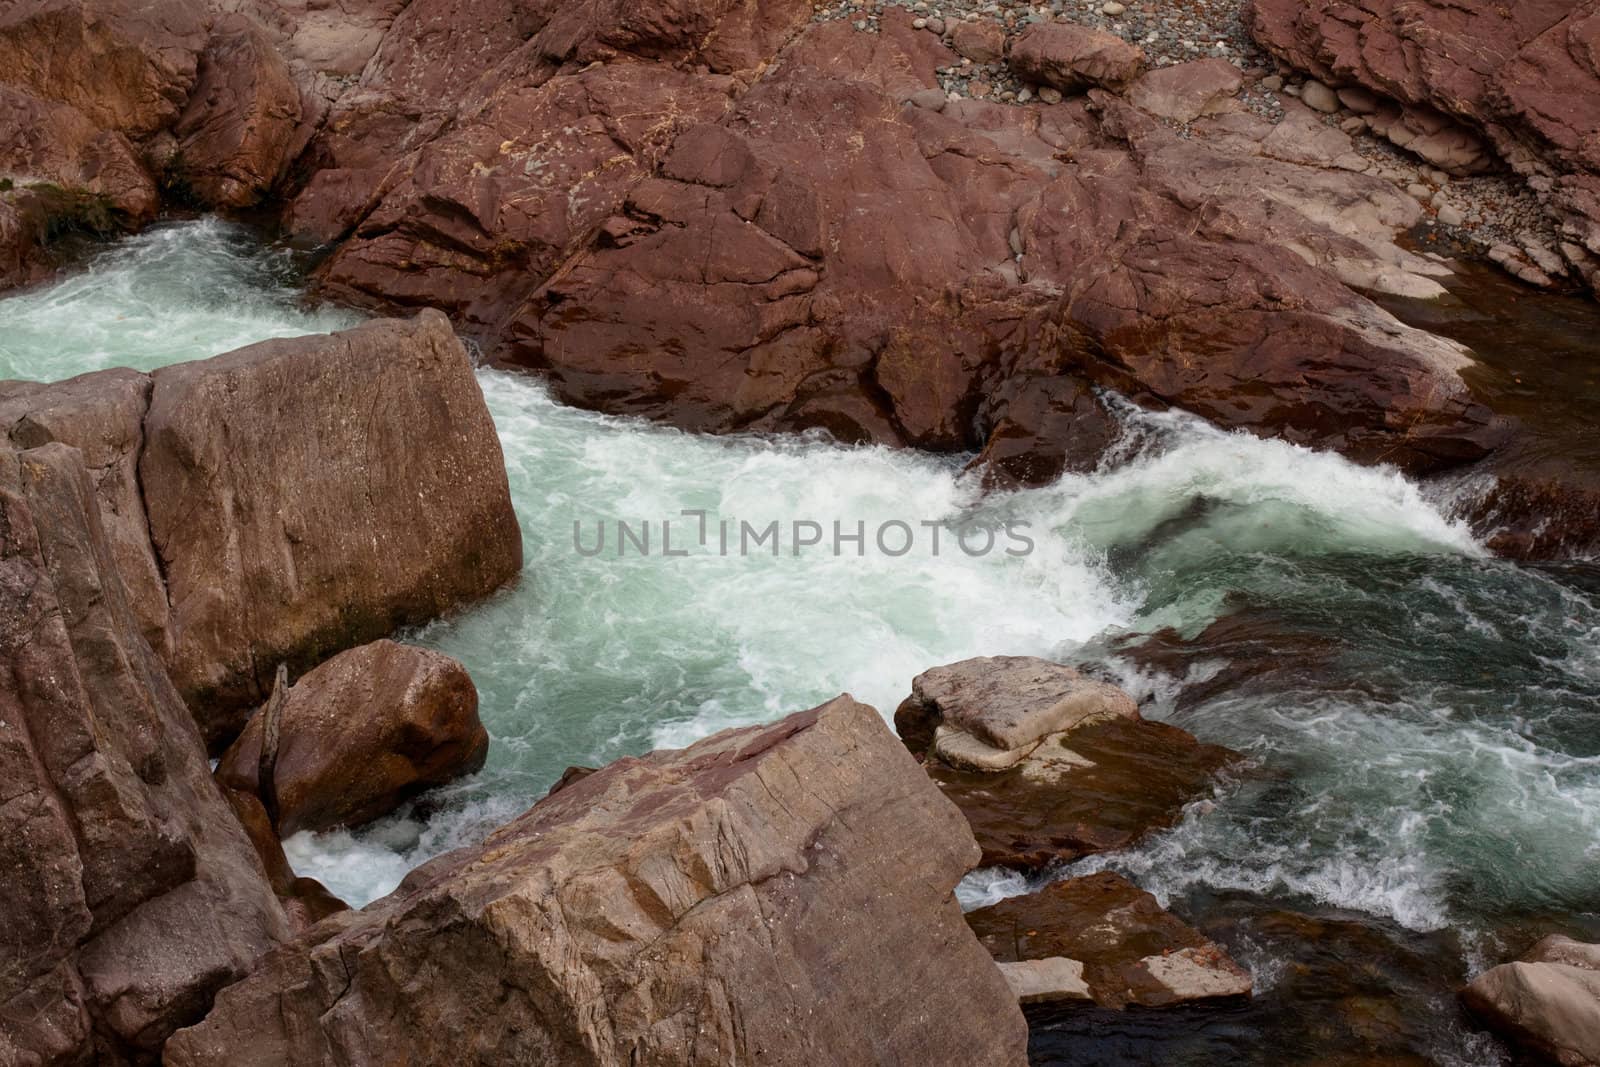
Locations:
column 1100, row 937
column 1046, row 764
column 1549, row 1000
column 46, row 142
column 1188, row 91
column 130, row 892
column 1073, row 58
column 748, row 899
column 308, row 495
column 361, row 733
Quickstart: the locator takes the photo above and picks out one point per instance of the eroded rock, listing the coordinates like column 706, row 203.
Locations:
column 308, row 495
column 745, row 898
column 131, row 894
column 1548, row 1001
column 1073, row 58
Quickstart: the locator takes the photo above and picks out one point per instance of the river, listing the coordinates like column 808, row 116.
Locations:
column 1423, row 789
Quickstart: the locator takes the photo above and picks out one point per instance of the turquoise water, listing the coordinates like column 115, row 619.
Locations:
column 1436, row 764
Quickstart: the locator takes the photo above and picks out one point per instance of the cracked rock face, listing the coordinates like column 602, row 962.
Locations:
column 746, row 899
column 129, row 891
column 289, row 500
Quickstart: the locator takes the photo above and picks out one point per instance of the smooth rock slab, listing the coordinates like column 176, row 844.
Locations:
column 1127, row 949
column 780, row 895
column 1548, row 1001
column 1012, row 701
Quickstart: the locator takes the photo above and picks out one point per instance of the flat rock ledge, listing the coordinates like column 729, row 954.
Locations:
column 1047, row 764
column 1101, row 938
column 780, row 894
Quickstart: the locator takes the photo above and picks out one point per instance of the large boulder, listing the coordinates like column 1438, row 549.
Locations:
column 287, row 501
column 1047, row 764
column 308, row 495
column 779, row 894
column 1099, row 937
column 130, row 892
column 1549, row 1000
column 361, row 733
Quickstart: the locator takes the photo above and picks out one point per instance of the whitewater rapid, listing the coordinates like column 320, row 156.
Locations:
column 1441, row 768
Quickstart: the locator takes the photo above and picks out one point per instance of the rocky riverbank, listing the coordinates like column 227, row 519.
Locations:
column 938, row 225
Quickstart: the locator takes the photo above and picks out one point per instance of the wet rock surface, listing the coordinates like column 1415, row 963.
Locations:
column 1129, row 949
column 745, row 896
column 1086, row 773
column 361, row 733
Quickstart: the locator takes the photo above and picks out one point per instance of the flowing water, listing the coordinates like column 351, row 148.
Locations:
column 1423, row 727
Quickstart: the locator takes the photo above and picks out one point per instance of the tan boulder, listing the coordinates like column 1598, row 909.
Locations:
column 1548, row 1001
column 779, row 894
column 1188, row 91
column 1046, row 764
column 361, row 733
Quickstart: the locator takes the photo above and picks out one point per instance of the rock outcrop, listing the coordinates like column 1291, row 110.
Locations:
column 1046, row 764
column 287, row 501
column 1548, row 1001
column 743, row 900
column 130, row 892
column 1102, row 938
column 1459, row 84
column 361, row 733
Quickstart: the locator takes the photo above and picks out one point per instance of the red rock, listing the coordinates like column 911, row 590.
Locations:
column 130, row 892
column 1072, row 57
column 1130, row 950
column 361, row 733
column 750, row 898
column 235, row 134
column 126, row 65
column 981, row 41
column 1526, row 77
column 1188, row 91
column 44, row 141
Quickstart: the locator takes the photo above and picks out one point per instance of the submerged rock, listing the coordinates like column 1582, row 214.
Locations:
column 1548, row 1001
column 363, row 732
column 1046, row 764
column 129, row 891
column 1102, row 938
column 778, row 894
